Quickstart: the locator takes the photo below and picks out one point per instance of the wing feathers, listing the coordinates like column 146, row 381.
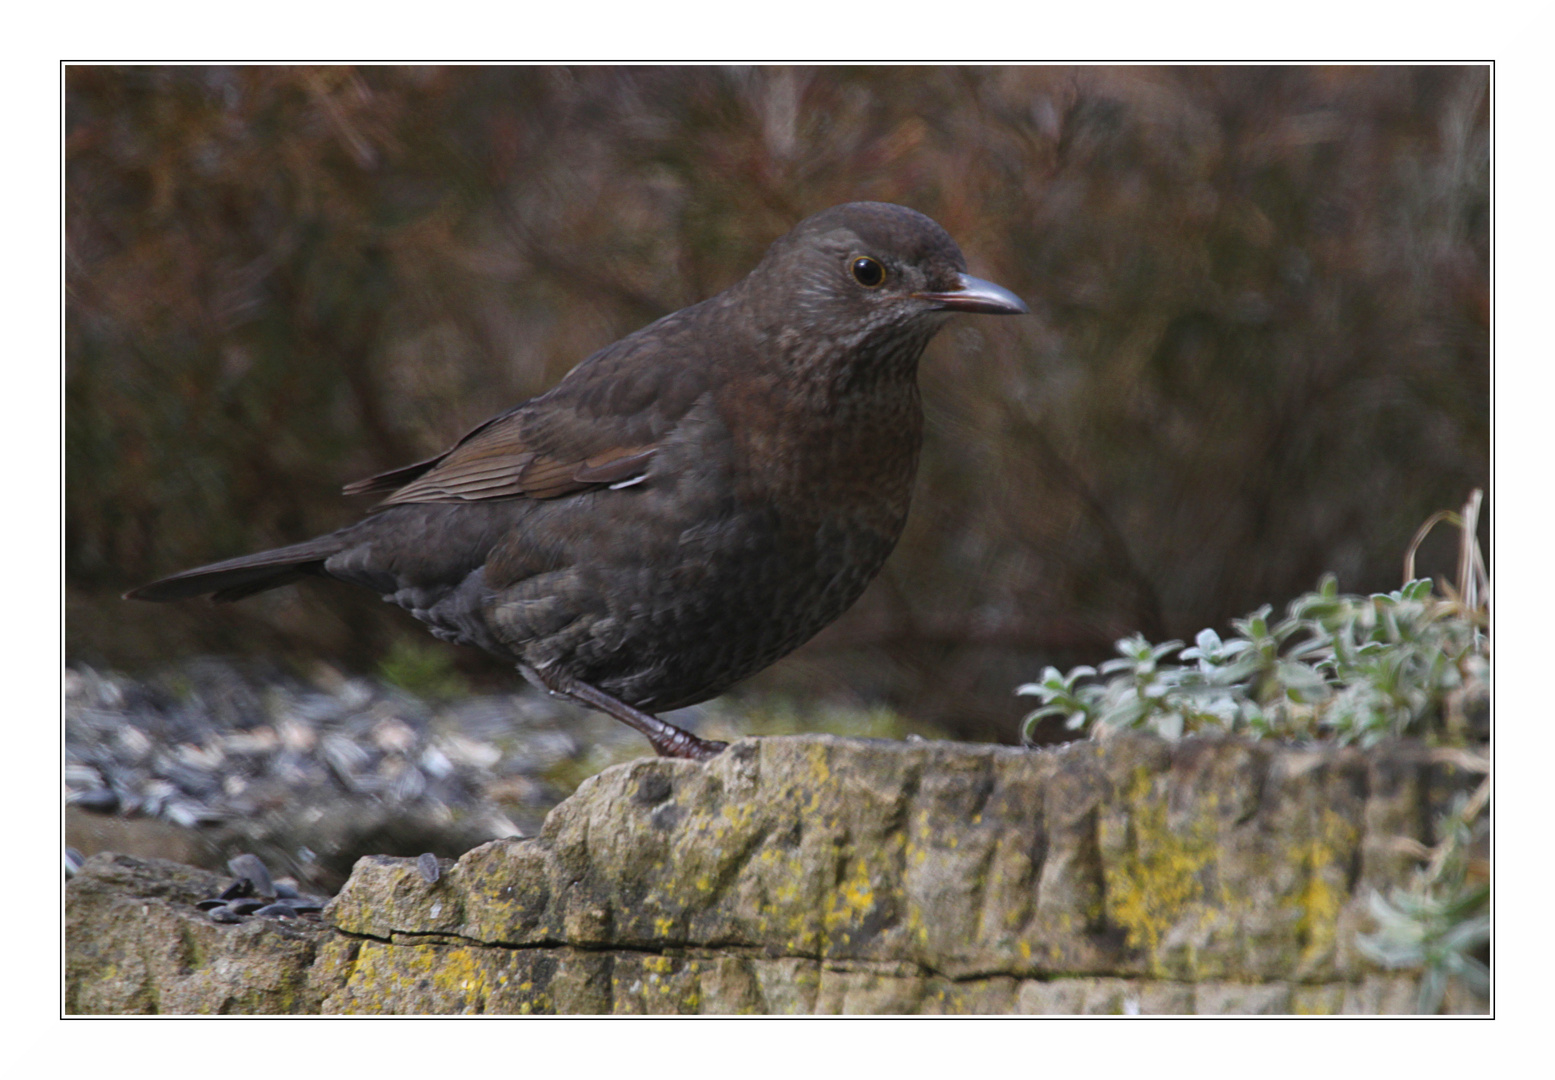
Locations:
column 392, row 480
column 614, row 466
column 495, row 463
column 579, row 435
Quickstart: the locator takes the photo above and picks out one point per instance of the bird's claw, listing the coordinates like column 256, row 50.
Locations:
column 683, row 744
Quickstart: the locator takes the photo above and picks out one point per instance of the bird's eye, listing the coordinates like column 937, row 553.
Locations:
column 868, row 272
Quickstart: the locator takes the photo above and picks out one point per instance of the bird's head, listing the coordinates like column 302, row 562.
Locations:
column 871, row 270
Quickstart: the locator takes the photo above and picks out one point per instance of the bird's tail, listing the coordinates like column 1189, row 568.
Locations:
column 233, row 579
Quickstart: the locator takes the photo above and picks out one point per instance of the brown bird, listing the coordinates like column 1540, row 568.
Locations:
column 687, row 505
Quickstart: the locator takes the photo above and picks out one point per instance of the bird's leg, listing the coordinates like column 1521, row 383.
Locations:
column 667, row 739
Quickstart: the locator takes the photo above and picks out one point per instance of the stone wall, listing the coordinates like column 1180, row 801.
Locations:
column 815, row 874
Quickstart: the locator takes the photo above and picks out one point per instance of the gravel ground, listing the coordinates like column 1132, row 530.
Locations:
column 209, row 759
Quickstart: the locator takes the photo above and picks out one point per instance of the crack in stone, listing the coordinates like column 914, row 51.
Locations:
column 685, row 951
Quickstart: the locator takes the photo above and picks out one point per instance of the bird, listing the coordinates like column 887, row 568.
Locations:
column 687, row 505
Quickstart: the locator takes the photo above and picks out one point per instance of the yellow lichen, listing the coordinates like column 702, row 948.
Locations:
column 849, row 904
column 1157, row 880
column 1317, row 900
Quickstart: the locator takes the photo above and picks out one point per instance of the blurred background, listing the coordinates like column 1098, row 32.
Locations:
column 1258, row 347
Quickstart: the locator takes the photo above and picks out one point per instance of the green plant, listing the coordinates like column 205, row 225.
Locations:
column 1351, row 669
column 1440, row 922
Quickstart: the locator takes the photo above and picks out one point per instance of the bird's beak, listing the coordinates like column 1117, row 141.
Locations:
column 978, row 296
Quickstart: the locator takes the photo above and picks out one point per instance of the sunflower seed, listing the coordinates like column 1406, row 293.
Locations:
column 429, row 867
column 249, row 866
column 240, row 887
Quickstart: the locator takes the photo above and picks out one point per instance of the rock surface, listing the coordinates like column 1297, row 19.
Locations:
column 135, row 943
column 817, row 874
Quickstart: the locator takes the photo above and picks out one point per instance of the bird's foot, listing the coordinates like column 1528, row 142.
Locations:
column 667, row 739
column 682, row 744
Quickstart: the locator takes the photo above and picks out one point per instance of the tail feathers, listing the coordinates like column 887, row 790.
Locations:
column 234, row 579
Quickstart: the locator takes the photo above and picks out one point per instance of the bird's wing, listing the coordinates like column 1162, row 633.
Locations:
column 498, row 461
column 599, row 426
